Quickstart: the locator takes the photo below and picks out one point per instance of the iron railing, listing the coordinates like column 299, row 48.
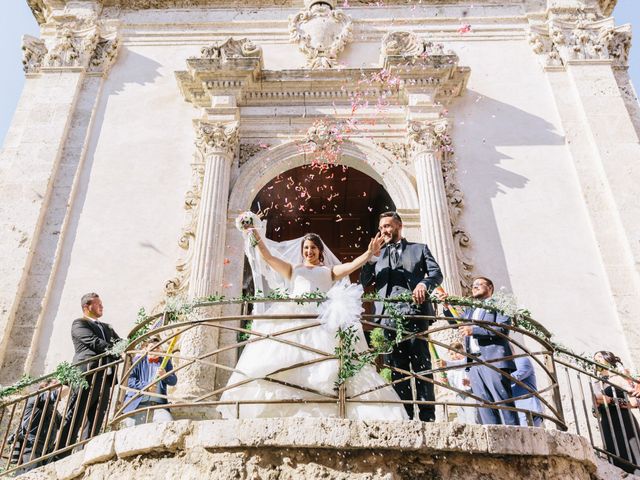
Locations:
column 45, row 424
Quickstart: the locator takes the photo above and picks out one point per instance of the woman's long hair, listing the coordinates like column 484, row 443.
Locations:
column 610, row 358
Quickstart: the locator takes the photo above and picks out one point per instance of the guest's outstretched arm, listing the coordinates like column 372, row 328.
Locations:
column 279, row 265
column 341, row 271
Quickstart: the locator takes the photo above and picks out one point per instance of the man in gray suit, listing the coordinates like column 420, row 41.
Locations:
column 405, row 267
column 487, row 345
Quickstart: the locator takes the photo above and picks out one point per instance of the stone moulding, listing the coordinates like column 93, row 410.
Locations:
column 321, row 33
column 559, row 41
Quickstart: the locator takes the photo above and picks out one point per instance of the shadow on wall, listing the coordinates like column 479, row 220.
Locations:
column 143, row 72
column 482, row 126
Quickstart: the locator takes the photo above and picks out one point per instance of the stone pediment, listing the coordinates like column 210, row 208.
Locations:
column 424, row 69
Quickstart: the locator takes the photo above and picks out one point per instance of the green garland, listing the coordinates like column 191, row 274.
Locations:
column 65, row 373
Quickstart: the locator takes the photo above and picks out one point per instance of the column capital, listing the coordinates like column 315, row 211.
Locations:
column 216, row 138
column 431, row 135
column 78, row 45
column 580, row 38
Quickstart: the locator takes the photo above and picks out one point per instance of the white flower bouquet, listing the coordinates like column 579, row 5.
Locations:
column 245, row 222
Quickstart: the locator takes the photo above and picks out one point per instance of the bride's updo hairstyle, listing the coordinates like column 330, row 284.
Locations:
column 315, row 238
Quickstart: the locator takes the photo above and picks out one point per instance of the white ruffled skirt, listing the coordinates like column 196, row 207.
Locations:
column 303, row 379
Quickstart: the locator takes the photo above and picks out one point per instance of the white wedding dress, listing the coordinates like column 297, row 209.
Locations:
column 272, row 371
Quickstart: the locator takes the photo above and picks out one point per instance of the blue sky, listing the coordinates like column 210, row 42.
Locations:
column 17, row 20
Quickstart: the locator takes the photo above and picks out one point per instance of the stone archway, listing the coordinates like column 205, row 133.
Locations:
column 255, row 174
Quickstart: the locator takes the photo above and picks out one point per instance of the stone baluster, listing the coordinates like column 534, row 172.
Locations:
column 216, row 143
column 427, row 140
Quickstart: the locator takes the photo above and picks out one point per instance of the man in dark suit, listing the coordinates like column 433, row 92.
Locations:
column 405, row 267
column 485, row 344
column 91, row 337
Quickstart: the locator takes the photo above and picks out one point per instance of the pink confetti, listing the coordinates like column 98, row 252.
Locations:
column 464, row 28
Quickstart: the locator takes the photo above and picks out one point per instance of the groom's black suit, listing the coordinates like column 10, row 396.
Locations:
column 415, row 265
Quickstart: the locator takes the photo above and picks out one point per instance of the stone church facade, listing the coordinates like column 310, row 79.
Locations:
column 505, row 133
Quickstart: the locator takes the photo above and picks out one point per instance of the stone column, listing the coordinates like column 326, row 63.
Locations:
column 216, row 143
column 427, row 140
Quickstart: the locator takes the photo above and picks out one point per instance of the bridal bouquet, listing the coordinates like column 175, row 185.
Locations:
column 246, row 221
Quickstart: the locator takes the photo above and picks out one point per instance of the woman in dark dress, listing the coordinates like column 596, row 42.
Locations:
column 618, row 425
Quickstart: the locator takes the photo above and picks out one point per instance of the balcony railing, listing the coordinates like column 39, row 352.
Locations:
column 38, row 427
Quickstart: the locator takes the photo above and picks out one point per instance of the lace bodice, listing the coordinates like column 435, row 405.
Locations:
column 310, row 279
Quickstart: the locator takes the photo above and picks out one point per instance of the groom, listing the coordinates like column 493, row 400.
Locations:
column 401, row 267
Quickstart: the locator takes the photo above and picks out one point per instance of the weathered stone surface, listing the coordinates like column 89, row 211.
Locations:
column 151, row 437
column 330, row 448
column 516, row 440
column 100, row 448
column 70, row 467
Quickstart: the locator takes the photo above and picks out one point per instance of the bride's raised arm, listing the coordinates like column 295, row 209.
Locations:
column 279, row 265
column 342, row 270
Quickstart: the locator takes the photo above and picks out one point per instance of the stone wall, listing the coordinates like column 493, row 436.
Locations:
column 306, row 448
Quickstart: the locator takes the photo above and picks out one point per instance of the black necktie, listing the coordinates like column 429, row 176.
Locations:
column 394, row 254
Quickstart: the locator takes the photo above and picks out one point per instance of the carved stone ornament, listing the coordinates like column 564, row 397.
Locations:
column 231, row 49
column 33, row 52
column 217, row 138
column 407, row 49
column 249, row 150
column 79, row 43
column 399, row 150
column 558, row 42
column 178, row 284
column 321, row 33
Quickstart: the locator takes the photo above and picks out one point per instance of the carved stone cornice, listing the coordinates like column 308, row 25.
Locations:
column 78, row 44
column 558, row 41
column 417, row 59
column 216, row 138
column 227, row 66
column 321, row 32
column 431, row 135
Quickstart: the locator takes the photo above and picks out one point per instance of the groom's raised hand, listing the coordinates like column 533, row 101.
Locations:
column 375, row 245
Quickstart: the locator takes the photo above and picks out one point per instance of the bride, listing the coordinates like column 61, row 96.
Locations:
column 276, row 378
